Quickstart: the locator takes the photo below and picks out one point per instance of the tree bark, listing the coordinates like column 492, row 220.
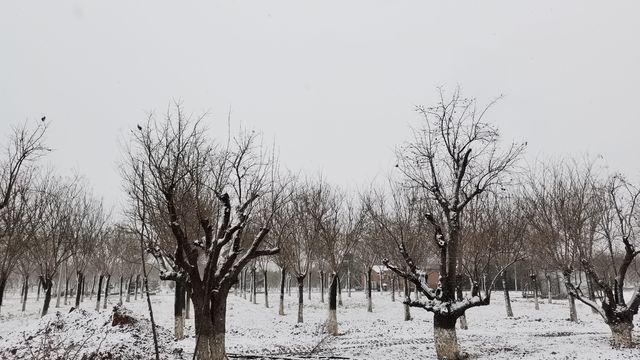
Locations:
column 66, row 287
column 407, row 296
column 39, row 287
column 369, row 300
column 339, row 291
column 3, row 284
column 210, row 324
column 463, row 318
column 178, row 310
column 99, row 292
column 309, row 286
column 106, row 292
column 535, row 293
column 322, row 286
column 300, row 298
column 128, row 297
column 135, row 294
column 93, row 285
column 332, row 320
column 254, row 287
column 120, row 300
column 393, row 288
column 348, row 282
column 58, row 289
column 187, row 306
column 47, row 285
column 621, row 334
column 445, row 338
column 26, row 291
column 573, row 314
column 266, row 288
column 507, row 297
column 79, row 281
column 283, row 275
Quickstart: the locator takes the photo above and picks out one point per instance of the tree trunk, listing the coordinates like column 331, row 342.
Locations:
column 128, row 297
column 393, row 288
column 210, row 324
column 507, row 298
column 58, row 289
column 289, row 286
column 178, row 310
column 549, row 299
column 283, row 275
column 66, row 288
column 463, row 318
column 369, row 300
column 332, row 320
column 39, row 287
column 300, row 297
column 244, row 284
column 47, row 285
column 79, row 281
column 445, row 338
column 135, row 294
column 407, row 296
column 99, row 292
column 348, row 282
column 187, row 306
column 3, row 284
column 592, row 295
column 106, row 292
column 120, row 300
column 322, row 286
column 339, row 291
column 573, row 314
column 621, row 334
column 309, row 286
column 535, row 294
column 93, row 285
column 266, row 288
column 254, row 287
column 84, row 290
column 26, row 291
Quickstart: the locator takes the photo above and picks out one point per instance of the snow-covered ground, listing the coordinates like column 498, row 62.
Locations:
column 254, row 330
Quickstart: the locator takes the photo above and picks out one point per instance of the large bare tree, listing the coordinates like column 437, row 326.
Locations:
column 453, row 157
column 230, row 187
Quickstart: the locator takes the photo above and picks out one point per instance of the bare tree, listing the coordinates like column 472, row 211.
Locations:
column 338, row 224
column 452, row 159
column 180, row 163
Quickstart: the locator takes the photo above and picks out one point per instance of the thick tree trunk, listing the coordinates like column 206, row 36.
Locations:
column 369, row 299
column 47, row 286
column 332, row 320
column 178, row 310
column 445, row 338
column 407, row 296
column 283, row 275
column 210, row 318
column 99, row 292
column 507, row 298
column 621, row 334
column 79, row 281
column 26, row 291
column 573, row 314
column 266, row 288
column 106, row 292
column 300, row 298
column 322, row 286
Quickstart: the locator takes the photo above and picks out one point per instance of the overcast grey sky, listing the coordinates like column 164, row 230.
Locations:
column 333, row 82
